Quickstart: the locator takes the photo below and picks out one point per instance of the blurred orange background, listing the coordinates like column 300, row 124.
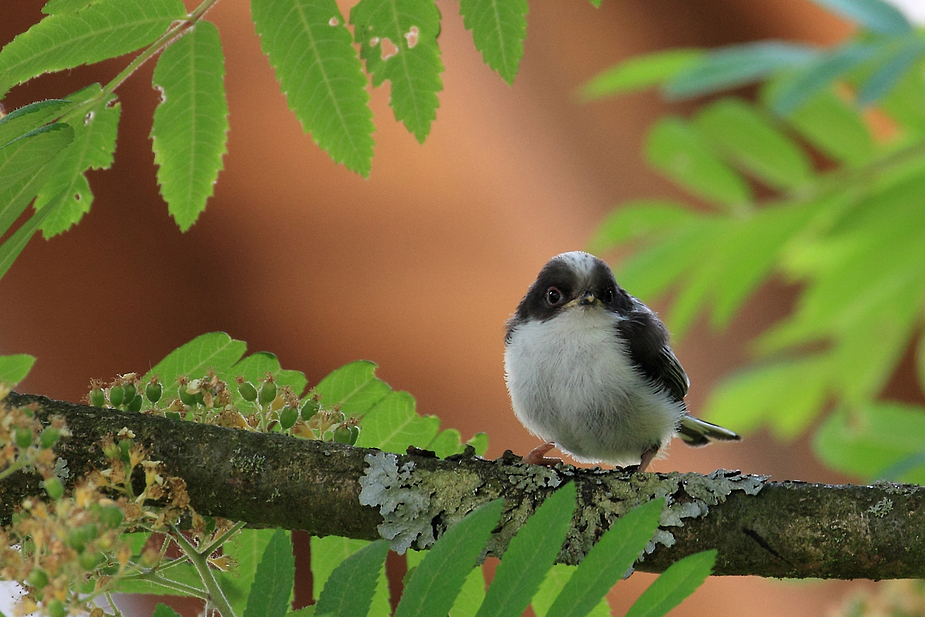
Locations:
column 416, row 268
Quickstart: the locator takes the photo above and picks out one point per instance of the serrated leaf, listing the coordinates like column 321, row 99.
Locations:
column 398, row 41
column 24, row 166
column 736, row 65
column 751, row 141
column 677, row 150
column 215, row 350
column 14, row 368
column 833, row 126
column 638, row 219
column 245, row 549
column 901, row 103
column 608, row 560
column 675, row 584
column 471, row 595
column 868, row 441
column 392, row 425
column 329, row 552
column 13, row 246
column 350, row 588
column 794, row 91
column 555, row 580
column 273, row 581
column 785, row 396
column 875, row 15
column 529, row 555
column 162, row 610
column 66, row 191
column 354, row 387
column 437, row 580
column 311, row 50
column 102, row 30
column 28, row 118
column 445, row 443
column 498, row 31
column 190, row 128
column 640, row 72
column 63, row 6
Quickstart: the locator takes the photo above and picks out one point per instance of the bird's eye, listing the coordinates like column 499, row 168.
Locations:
column 553, row 296
column 608, row 296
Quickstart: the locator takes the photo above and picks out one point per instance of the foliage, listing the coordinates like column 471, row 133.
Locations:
column 122, row 538
column 847, row 231
column 46, row 147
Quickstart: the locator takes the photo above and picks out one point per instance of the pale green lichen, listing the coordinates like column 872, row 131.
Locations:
column 881, row 508
column 410, row 500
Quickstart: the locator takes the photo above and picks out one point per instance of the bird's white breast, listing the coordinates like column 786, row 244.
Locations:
column 572, row 382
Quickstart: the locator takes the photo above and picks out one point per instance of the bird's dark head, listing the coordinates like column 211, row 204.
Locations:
column 570, row 281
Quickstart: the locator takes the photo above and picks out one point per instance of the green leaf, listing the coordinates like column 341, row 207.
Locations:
column 868, row 440
column 901, row 103
column 246, row 549
column 329, row 552
column 162, row 610
column 24, row 166
column 785, row 396
column 311, row 50
column 13, row 246
column 473, row 590
column 638, row 219
column 215, row 350
column 190, row 126
column 273, row 581
column 897, row 64
column 398, row 41
column 640, row 73
column 350, row 588
column 736, row 65
column 14, row 368
column 875, row 15
column 436, row 582
column 680, row 580
column 354, row 387
column 529, row 555
column 479, row 442
column 392, row 425
column 608, row 560
column 28, row 118
column 795, row 91
column 751, row 141
column 64, row 6
column 103, row 30
column 677, row 150
column 555, row 580
column 498, row 31
column 66, row 191
column 833, row 126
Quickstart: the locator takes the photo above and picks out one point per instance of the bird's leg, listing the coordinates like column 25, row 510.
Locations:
column 647, row 457
column 537, row 456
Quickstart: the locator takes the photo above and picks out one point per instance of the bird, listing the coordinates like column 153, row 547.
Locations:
column 590, row 370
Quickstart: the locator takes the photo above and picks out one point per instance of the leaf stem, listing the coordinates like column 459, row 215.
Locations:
column 201, row 563
column 173, row 33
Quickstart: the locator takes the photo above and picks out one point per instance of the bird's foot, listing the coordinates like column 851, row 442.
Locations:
column 537, row 456
column 647, row 457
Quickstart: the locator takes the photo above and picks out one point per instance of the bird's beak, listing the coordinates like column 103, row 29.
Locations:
column 585, row 299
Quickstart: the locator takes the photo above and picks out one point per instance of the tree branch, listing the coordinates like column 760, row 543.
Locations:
column 775, row 529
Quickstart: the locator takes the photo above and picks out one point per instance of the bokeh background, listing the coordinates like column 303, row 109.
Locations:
column 416, row 268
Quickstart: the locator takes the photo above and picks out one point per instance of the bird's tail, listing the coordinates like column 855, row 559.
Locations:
column 697, row 432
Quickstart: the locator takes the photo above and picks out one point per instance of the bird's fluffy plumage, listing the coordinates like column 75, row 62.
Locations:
column 589, row 367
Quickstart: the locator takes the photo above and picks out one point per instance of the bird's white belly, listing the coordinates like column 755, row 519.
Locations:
column 571, row 382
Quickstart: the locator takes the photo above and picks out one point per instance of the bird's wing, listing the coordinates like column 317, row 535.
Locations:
column 647, row 338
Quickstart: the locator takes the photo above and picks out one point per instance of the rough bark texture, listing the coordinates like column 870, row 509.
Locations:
column 777, row 529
